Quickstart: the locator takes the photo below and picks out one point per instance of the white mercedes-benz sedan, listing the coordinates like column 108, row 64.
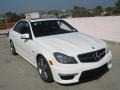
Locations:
column 58, row 50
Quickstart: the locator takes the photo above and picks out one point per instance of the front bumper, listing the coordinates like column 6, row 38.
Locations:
column 71, row 73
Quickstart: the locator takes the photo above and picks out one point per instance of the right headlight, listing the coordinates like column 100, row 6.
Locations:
column 64, row 59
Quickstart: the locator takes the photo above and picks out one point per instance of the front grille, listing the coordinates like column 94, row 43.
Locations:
column 92, row 56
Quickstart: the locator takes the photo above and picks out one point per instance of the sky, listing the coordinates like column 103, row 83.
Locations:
column 21, row 6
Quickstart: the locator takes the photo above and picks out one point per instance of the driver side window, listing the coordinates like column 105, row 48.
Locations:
column 18, row 27
column 25, row 28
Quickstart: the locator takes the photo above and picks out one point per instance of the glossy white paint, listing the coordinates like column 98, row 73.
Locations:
column 70, row 44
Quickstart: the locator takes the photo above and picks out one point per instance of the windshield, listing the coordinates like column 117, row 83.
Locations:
column 51, row 27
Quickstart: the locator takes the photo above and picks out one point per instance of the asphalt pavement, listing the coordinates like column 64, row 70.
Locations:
column 17, row 74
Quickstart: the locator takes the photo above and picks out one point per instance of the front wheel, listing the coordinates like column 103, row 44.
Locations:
column 44, row 69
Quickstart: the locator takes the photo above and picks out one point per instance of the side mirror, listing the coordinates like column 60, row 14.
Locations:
column 25, row 36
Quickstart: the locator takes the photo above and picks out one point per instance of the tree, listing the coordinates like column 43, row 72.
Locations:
column 109, row 11
column 22, row 16
column 80, row 12
column 76, row 11
column 12, row 17
column 117, row 7
column 56, row 13
column 117, row 4
column 98, row 10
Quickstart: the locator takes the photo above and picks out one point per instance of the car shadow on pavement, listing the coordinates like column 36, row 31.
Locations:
column 91, row 76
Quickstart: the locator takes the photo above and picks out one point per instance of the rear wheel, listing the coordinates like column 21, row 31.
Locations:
column 44, row 69
column 12, row 48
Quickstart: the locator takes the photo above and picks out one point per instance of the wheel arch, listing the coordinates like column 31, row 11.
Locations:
column 37, row 56
column 43, row 53
column 10, row 40
column 44, row 56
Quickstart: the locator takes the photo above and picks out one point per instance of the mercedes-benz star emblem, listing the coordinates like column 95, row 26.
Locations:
column 96, row 56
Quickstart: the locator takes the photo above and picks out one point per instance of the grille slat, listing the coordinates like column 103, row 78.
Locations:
column 92, row 56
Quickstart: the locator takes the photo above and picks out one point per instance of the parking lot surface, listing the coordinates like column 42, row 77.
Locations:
column 17, row 74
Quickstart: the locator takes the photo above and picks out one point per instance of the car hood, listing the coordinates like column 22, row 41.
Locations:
column 71, row 43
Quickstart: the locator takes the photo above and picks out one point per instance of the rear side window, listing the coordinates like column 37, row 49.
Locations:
column 18, row 26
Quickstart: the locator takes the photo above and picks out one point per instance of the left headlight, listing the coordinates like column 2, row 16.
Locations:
column 64, row 59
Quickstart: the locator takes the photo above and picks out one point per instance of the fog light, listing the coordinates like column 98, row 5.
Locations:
column 67, row 76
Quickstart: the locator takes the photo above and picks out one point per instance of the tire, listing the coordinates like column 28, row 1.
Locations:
column 44, row 69
column 12, row 48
